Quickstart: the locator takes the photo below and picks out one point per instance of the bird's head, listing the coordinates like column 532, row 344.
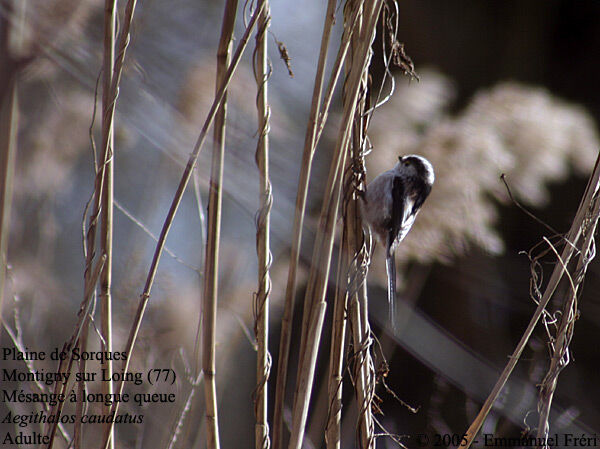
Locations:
column 413, row 165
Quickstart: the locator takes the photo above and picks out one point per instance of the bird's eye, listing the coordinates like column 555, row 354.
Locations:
column 407, row 163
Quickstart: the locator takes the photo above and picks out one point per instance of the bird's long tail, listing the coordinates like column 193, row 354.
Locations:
column 390, row 264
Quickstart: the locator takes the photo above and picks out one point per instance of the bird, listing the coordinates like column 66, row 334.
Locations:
column 390, row 204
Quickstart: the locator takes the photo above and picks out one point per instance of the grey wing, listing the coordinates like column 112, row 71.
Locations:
column 398, row 200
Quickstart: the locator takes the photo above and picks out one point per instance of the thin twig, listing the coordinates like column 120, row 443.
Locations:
column 520, row 206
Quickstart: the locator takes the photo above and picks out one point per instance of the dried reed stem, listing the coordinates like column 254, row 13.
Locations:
column 349, row 29
column 321, row 262
column 560, row 343
column 579, row 226
column 333, row 434
column 185, row 178
column 334, row 77
column 310, row 143
column 364, row 373
column 106, row 219
column 211, row 265
column 261, row 299
column 333, row 428
column 104, row 197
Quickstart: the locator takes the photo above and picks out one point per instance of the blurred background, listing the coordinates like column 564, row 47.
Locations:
column 505, row 87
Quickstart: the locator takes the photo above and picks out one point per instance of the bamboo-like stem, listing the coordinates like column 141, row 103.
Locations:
column 590, row 195
column 211, row 265
column 305, row 169
column 333, row 434
column 185, row 178
column 261, row 300
column 321, row 262
column 106, row 219
column 359, row 317
column 364, row 371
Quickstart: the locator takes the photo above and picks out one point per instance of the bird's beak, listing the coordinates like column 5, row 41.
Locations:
column 400, row 158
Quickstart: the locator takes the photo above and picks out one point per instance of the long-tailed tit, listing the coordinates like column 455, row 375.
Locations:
column 391, row 203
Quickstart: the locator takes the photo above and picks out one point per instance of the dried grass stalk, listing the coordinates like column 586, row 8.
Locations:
column 310, row 142
column 112, row 69
column 185, row 178
column 333, row 434
column 106, row 219
column 364, row 373
column 561, row 341
column 577, row 241
column 211, row 265
column 321, row 261
column 261, row 299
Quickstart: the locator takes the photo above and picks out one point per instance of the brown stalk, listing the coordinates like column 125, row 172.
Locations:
column 363, row 365
column 211, row 265
column 106, row 218
column 333, row 434
column 336, row 71
column 321, row 262
column 560, row 356
column 359, row 316
column 261, row 299
column 585, row 207
column 290, row 292
column 187, row 173
column 349, row 29
column 333, row 428
column 104, row 197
